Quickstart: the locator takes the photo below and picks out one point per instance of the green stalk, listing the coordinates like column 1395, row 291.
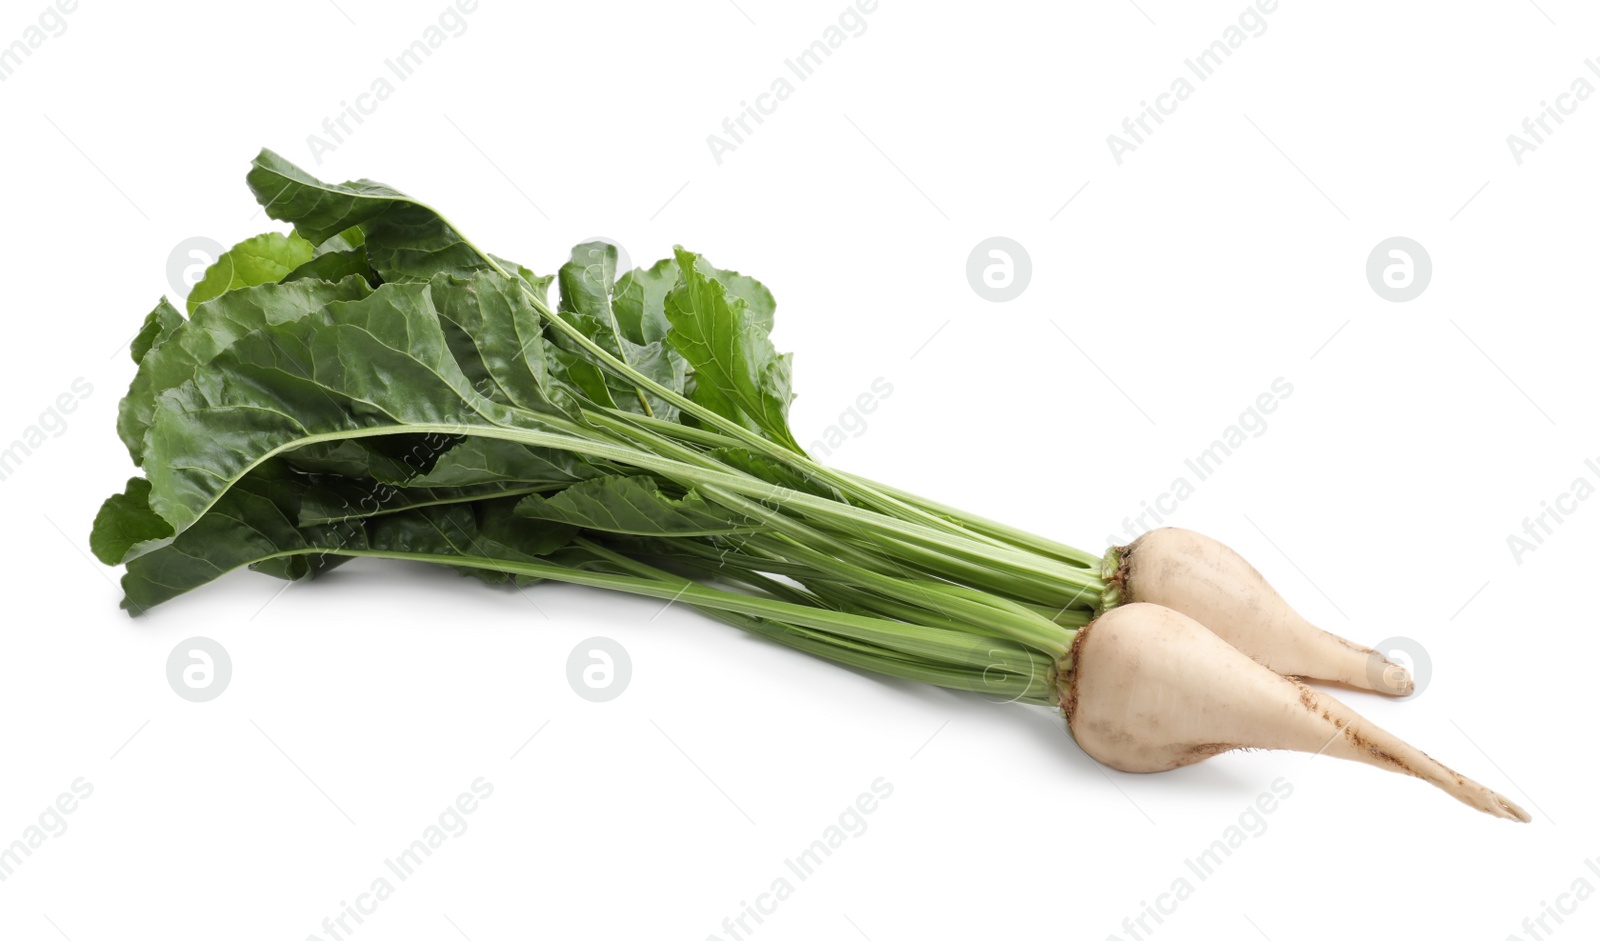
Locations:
column 953, row 601
column 1013, row 672
column 947, row 518
column 971, row 558
column 968, row 522
column 1019, row 538
column 916, row 640
column 961, row 568
column 1038, row 691
column 836, row 591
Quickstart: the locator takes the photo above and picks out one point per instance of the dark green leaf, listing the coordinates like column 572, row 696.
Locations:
column 395, row 459
column 635, row 506
column 334, row 499
column 251, row 524
column 475, row 461
column 405, row 239
column 177, row 350
column 485, row 530
column 496, row 338
column 157, row 325
column 126, row 527
column 256, row 524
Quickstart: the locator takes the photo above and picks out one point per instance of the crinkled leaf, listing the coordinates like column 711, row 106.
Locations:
column 257, row 523
column 640, row 299
column 759, row 305
column 661, row 363
column 737, row 372
column 216, row 324
column 405, row 239
column 251, row 524
column 538, row 285
column 588, row 283
column 160, row 322
column 496, row 337
column 363, row 367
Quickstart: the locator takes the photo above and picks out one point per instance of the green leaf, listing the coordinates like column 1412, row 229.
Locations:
column 640, row 299
column 335, row 499
column 759, row 305
column 395, row 459
column 405, row 239
column 538, row 285
column 261, row 259
column 639, row 302
column 408, row 241
column 588, row 281
column 497, row 339
column 126, row 527
column 485, row 530
column 262, row 523
column 478, row 461
column 336, row 266
column 179, row 349
column 158, row 324
column 635, row 506
column 378, row 364
column 661, row 363
column 348, row 240
column 253, row 523
column 737, row 373
column 579, row 373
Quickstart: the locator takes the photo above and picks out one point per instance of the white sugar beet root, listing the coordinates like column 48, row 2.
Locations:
column 1208, row 581
column 1150, row 689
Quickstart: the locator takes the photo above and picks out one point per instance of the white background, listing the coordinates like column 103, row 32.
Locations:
column 1226, row 251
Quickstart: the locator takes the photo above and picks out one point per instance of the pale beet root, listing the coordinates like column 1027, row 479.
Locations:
column 1150, row 689
column 1200, row 577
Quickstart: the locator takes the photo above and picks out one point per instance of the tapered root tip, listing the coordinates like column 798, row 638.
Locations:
column 1375, row 746
column 1470, row 792
column 1493, row 804
column 1514, row 812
